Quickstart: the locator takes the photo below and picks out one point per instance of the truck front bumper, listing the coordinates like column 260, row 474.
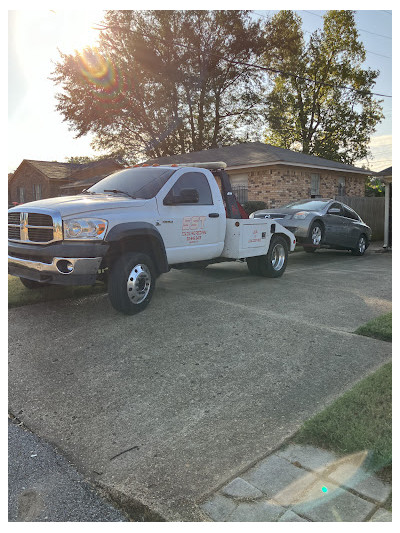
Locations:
column 46, row 266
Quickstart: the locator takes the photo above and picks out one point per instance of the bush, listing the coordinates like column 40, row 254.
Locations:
column 254, row 205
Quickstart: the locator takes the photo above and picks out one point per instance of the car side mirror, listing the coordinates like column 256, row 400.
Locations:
column 334, row 211
column 186, row 196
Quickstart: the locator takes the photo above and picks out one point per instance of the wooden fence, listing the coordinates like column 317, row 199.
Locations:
column 371, row 209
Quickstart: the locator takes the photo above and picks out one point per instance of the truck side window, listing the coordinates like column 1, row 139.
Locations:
column 194, row 180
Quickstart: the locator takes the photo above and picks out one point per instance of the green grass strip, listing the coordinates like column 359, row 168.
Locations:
column 359, row 420
column 378, row 328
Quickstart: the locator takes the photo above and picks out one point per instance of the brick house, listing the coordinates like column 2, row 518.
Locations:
column 278, row 176
column 34, row 180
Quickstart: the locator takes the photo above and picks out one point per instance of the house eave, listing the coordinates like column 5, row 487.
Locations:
column 284, row 163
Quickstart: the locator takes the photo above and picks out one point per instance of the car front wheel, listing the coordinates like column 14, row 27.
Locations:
column 361, row 246
column 131, row 283
column 316, row 234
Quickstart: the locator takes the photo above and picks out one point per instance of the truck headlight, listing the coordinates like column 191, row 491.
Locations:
column 301, row 215
column 85, row 228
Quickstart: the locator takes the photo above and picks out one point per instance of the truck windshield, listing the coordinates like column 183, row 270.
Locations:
column 136, row 182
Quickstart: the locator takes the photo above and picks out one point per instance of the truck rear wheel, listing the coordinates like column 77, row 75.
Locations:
column 273, row 265
column 131, row 283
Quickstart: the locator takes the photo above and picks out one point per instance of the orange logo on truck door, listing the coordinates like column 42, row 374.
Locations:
column 193, row 223
column 193, row 228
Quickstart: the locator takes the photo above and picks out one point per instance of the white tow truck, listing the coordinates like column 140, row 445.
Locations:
column 135, row 225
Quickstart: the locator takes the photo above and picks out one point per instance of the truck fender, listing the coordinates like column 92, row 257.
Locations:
column 153, row 243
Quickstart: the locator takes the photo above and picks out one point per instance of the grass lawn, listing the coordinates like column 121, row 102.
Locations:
column 19, row 295
column 361, row 419
column 379, row 328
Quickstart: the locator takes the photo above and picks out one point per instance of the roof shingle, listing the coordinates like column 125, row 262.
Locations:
column 256, row 154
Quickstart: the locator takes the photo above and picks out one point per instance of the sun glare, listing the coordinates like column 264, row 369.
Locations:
column 41, row 33
column 77, row 29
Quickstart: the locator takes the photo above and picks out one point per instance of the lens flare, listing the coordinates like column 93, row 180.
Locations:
column 102, row 75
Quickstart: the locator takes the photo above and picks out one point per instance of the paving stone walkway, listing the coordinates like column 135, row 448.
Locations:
column 303, row 483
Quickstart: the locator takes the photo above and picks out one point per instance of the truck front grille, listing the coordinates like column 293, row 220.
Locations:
column 33, row 227
column 39, row 219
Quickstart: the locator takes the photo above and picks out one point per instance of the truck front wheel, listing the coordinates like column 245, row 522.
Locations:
column 131, row 283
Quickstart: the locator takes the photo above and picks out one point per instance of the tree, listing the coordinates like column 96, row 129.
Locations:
column 84, row 159
column 374, row 187
column 320, row 101
column 164, row 82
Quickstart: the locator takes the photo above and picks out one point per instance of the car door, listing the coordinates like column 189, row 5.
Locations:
column 193, row 230
column 352, row 226
column 335, row 224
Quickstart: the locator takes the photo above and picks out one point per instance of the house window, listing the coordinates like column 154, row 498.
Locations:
column 37, row 192
column 315, row 180
column 21, row 195
column 341, row 182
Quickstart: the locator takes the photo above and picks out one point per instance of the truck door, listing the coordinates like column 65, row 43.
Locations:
column 193, row 227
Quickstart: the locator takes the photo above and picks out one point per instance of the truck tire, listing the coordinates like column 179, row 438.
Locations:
column 273, row 265
column 131, row 282
column 31, row 284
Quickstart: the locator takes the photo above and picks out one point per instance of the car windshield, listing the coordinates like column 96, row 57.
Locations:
column 307, row 205
column 136, row 182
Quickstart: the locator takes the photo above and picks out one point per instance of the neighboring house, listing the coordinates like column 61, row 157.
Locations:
column 34, row 180
column 276, row 175
column 386, row 177
column 10, row 176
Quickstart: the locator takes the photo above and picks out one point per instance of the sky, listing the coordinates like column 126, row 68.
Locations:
column 37, row 131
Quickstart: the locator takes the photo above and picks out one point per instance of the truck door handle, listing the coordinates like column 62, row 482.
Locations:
column 213, row 215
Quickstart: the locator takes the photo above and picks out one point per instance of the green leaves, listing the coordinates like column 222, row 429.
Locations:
column 316, row 108
column 164, row 82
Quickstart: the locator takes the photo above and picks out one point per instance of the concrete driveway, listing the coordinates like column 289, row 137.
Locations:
column 162, row 408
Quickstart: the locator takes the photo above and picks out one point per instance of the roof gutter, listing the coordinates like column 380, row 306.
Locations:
column 355, row 171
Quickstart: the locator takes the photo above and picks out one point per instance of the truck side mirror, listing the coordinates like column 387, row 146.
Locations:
column 186, row 196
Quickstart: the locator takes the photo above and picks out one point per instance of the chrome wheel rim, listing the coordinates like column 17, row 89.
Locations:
column 316, row 235
column 138, row 284
column 361, row 245
column 278, row 257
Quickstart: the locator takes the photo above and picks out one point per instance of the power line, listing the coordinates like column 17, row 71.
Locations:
column 306, row 31
column 102, row 27
column 360, row 29
column 376, row 54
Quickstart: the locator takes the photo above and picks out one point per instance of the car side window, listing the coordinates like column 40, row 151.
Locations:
column 349, row 213
column 194, row 180
column 336, row 206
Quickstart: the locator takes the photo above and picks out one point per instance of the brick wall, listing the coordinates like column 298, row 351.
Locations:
column 27, row 177
column 279, row 185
